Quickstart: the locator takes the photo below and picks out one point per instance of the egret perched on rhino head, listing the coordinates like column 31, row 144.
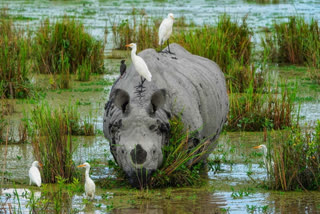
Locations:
column 139, row 64
column 165, row 30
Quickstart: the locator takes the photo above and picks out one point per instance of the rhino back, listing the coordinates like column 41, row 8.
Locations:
column 195, row 87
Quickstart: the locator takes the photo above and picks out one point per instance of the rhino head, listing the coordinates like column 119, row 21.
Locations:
column 139, row 132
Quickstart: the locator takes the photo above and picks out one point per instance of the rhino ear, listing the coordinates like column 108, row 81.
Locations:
column 158, row 99
column 121, row 99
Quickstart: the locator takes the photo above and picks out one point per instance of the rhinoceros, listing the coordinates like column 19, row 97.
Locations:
column 136, row 118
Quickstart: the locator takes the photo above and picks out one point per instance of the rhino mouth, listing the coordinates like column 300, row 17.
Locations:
column 139, row 177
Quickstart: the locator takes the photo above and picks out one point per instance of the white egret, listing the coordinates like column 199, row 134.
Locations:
column 139, row 64
column 165, row 30
column 34, row 173
column 89, row 185
column 265, row 154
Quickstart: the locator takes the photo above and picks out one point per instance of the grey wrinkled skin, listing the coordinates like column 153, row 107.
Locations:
column 136, row 120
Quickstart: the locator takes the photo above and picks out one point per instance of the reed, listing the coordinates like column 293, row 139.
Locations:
column 253, row 111
column 141, row 29
column 181, row 166
column 228, row 43
column 66, row 39
column 295, row 42
column 14, row 55
column 50, row 130
column 296, row 157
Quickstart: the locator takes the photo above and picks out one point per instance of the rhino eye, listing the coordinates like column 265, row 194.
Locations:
column 152, row 127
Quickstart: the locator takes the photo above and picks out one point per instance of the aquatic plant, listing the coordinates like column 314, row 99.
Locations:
column 50, row 130
column 141, row 29
column 314, row 74
column 295, row 41
column 296, row 157
column 181, row 166
column 66, row 41
column 252, row 111
column 14, row 55
column 228, row 43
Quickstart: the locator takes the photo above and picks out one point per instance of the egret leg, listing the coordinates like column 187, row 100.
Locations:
column 169, row 47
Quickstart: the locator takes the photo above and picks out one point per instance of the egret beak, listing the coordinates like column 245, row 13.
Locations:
column 172, row 17
column 129, row 45
column 82, row 165
column 257, row 147
column 40, row 164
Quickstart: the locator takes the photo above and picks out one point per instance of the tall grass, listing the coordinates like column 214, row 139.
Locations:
column 228, row 43
column 295, row 42
column 50, row 130
column 296, row 159
column 252, row 111
column 141, row 29
column 14, row 55
column 181, row 166
column 66, row 41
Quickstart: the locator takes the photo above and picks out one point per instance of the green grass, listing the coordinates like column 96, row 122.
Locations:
column 66, row 45
column 141, row 29
column 50, row 130
column 14, row 55
column 228, row 43
column 296, row 159
column 252, row 111
column 294, row 42
column 181, row 165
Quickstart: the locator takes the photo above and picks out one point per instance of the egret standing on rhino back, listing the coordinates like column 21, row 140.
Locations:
column 165, row 30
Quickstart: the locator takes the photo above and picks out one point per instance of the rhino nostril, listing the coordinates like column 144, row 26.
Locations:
column 138, row 155
column 154, row 152
column 122, row 151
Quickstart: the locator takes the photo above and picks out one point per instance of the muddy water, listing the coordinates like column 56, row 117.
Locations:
column 221, row 192
column 99, row 14
column 222, row 188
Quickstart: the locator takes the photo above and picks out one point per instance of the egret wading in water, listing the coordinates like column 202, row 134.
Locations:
column 165, row 30
column 139, row 64
column 123, row 68
column 89, row 185
column 34, row 173
column 265, row 160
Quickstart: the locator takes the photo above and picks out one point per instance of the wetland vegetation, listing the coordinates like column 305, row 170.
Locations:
column 273, row 88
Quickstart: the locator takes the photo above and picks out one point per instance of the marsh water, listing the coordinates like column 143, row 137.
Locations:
column 235, row 188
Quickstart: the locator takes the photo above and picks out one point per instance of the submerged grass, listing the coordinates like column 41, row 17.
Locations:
column 14, row 55
column 296, row 158
column 141, row 29
column 50, row 130
column 295, row 42
column 228, row 43
column 252, row 111
column 67, row 43
column 181, row 164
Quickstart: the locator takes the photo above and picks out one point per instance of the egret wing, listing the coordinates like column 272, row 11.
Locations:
column 35, row 176
column 142, row 68
column 165, row 30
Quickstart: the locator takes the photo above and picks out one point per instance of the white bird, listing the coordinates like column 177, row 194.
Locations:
column 139, row 64
column 89, row 185
column 34, row 173
column 165, row 30
column 265, row 160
